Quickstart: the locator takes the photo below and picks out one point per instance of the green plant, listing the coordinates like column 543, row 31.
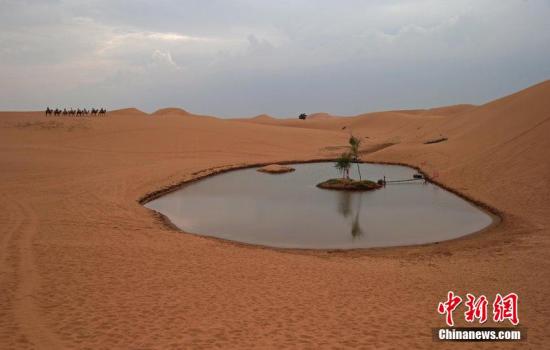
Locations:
column 343, row 163
column 355, row 143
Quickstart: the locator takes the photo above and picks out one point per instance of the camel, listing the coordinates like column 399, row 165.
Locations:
column 76, row 112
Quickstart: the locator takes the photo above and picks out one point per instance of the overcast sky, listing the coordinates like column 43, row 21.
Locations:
column 246, row 57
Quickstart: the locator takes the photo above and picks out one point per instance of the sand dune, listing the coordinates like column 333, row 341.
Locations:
column 448, row 110
column 320, row 115
column 170, row 111
column 84, row 265
column 127, row 112
column 263, row 117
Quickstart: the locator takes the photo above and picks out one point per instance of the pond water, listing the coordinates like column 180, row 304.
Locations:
column 289, row 211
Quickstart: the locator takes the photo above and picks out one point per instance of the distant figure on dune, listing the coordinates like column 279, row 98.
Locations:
column 302, row 116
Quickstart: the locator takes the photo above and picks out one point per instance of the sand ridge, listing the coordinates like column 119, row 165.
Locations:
column 84, row 265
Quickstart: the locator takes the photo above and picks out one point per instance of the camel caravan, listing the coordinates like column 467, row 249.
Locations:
column 76, row 112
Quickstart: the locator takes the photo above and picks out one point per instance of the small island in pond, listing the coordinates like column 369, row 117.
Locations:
column 343, row 164
column 349, row 185
column 275, row 169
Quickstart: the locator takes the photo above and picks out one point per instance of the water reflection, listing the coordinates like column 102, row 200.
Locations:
column 344, row 203
column 356, row 230
column 345, row 199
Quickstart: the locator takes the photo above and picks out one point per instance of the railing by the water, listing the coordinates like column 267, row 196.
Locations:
column 416, row 177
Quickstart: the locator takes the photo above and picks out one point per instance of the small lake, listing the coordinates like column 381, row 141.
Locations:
column 289, row 211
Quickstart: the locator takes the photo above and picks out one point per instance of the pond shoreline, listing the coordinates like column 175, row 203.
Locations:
column 497, row 217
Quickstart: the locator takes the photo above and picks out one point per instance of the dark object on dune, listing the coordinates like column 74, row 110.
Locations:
column 349, row 185
column 302, row 116
column 441, row 139
column 418, row 176
column 343, row 128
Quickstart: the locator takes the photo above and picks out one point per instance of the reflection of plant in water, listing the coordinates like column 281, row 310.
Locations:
column 356, row 230
column 344, row 203
column 344, row 208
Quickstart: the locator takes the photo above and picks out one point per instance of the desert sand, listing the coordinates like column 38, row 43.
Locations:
column 83, row 265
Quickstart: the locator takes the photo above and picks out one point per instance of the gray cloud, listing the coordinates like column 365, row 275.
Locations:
column 245, row 57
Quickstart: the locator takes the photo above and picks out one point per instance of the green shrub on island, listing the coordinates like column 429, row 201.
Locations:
column 343, row 165
column 354, row 145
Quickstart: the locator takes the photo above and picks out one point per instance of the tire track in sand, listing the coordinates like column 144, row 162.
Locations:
column 27, row 315
column 11, row 222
